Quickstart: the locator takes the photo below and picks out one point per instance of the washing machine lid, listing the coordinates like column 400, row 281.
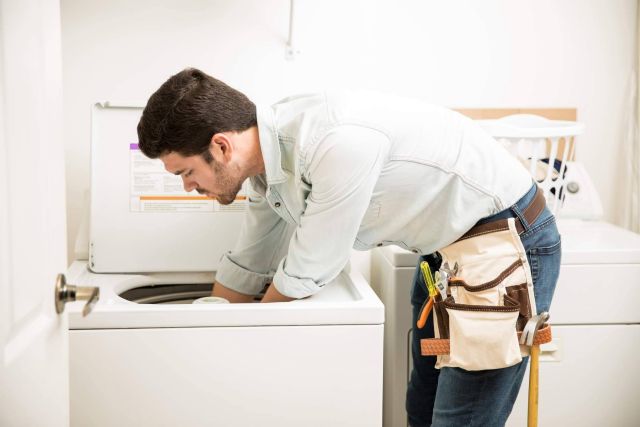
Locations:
column 140, row 217
column 583, row 241
column 347, row 300
column 597, row 242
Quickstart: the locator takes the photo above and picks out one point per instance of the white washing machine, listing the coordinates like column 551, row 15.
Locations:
column 160, row 362
column 588, row 373
column 144, row 356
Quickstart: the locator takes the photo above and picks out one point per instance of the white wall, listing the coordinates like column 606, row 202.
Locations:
column 491, row 53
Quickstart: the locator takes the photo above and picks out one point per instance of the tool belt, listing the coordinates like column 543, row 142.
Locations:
column 488, row 299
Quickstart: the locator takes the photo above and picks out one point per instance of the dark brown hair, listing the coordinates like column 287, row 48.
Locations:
column 188, row 110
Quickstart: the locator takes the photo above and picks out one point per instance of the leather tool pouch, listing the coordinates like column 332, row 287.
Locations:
column 488, row 302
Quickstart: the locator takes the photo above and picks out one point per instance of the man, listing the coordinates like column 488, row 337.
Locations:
column 331, row 172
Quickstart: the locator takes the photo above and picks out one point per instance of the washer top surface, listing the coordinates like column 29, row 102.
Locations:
column 583, row 242
column 597, row 242
column 346, row 300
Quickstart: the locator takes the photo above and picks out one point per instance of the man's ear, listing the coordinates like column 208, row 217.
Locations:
column 221, row 147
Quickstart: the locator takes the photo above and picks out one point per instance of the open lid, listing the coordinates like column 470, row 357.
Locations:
column 141, row 219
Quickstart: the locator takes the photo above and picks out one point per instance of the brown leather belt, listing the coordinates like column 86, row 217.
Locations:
column 439, row 347
column 530, row 213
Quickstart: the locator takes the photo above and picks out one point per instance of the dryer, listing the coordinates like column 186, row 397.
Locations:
column 588, row 373
column 145, row 356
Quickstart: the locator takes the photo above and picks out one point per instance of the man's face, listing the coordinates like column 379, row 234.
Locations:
column 212, row 179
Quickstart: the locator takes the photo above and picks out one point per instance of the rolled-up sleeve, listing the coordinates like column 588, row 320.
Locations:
column 343, row 169
column 260, row 246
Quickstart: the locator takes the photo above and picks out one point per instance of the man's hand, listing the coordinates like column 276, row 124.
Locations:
column 272, row 295
column 219, row 290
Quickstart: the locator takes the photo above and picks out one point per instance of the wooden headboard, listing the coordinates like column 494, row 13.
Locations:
column 496, row 113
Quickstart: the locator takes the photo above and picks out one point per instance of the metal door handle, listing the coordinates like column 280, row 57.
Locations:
column 67, row 293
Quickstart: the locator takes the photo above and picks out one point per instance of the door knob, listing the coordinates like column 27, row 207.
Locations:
column 67, row 293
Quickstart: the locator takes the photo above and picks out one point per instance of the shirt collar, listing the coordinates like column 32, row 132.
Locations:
column 270, row 146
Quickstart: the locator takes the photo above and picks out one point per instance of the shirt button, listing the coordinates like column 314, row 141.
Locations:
column 277, row 204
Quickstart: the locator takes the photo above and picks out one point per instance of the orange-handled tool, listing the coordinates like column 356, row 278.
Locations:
column 424, row 313
column 431, row 288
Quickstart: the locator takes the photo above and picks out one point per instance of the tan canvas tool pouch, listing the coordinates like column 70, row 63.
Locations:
column 488, row 301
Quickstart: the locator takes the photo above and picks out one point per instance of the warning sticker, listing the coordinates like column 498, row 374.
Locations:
column 153, row 189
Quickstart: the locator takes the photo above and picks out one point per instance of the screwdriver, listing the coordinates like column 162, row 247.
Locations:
column 431, row 288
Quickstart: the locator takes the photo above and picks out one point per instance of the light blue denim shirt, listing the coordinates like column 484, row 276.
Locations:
column 360, row 170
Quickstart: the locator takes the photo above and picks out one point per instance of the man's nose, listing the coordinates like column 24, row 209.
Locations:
column 188, row 184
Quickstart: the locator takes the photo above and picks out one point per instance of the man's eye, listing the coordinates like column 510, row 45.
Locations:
column 188, row 173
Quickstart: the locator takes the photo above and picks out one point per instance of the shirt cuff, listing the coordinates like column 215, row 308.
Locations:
column 240, row 279
column 291, row 286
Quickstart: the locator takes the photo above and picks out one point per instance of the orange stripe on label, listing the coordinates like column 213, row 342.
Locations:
column 175, row 198
column 185, row 198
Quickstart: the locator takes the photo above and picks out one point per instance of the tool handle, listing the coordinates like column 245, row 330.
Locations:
column 424, row 313
column 532, row 415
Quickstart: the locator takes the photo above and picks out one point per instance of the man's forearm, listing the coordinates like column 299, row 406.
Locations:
column 219, row 290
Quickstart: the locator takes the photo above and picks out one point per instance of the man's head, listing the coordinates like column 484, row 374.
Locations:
column 203, row 130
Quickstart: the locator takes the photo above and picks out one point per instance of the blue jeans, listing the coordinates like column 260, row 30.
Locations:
column 453, row 396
